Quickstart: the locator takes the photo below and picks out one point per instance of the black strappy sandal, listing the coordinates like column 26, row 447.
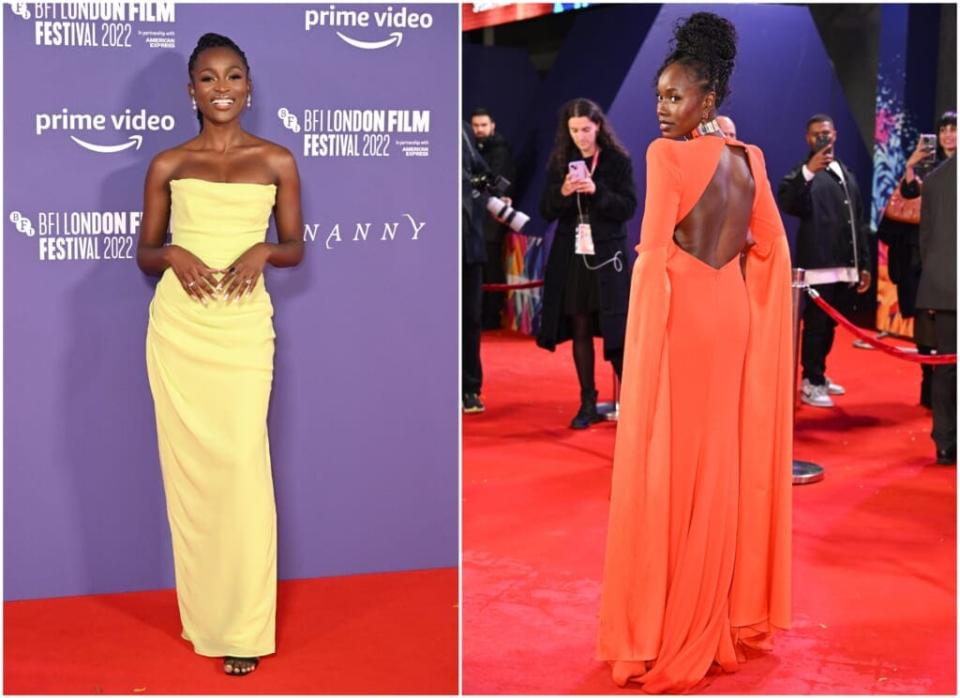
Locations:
column 246, row 665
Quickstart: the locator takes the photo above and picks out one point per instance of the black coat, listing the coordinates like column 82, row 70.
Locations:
column 938, row 239
column 473, row 213
column 496, row 153
column 824, row 239
column 903, row 261
column 613, row 204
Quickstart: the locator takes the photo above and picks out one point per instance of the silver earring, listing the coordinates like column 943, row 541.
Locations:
column 193, row 102
column 249, row 101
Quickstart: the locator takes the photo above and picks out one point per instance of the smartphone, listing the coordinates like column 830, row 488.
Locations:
column 823, row 140
column 578, row 169
column 928, row 142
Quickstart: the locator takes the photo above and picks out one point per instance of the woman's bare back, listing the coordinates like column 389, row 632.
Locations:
column 716, row 230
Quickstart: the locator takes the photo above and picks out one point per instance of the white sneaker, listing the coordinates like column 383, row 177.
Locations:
column 815, row 395
column 835, row 388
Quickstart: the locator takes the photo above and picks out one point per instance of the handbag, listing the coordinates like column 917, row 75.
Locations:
column 902, row 210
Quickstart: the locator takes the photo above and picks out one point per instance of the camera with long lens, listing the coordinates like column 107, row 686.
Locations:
column 496, row 187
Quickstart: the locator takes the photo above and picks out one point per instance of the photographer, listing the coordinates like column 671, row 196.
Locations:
column 473, row 217
column 590, row 193
column 495, row 151
column 823, row 194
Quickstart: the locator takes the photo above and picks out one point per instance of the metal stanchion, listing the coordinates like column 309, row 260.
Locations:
column 804, row 472
column 610, row 411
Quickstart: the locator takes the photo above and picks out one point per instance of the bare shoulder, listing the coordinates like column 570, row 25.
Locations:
column 278, row 158
column 165, row 163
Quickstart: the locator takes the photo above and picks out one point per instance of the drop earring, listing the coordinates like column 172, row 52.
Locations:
column 193, row 102
column 249, row 101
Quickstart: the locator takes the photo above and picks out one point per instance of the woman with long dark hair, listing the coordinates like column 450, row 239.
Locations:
column 586, row 282
column 698, row 546
column 210, row 344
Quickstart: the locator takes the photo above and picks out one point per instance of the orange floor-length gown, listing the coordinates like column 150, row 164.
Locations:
column 698, row 545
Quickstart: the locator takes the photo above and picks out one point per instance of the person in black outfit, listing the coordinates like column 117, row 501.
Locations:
column 823, row 193
column 496, row 152
column 586, row 295
column 903, row 252
column 473, row 217
column 937, row 291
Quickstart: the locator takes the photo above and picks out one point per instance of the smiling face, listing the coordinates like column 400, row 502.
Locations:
column 681, row 102
column 220, row 84
column 583, row 133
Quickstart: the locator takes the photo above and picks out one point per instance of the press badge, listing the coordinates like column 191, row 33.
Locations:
column 584, row 239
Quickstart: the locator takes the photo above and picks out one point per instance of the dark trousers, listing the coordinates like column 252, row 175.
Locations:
column 472, row 318
column 945, row 383
column 493, row 273
column 818, row 330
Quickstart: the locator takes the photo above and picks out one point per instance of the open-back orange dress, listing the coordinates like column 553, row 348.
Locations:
column 698, row 545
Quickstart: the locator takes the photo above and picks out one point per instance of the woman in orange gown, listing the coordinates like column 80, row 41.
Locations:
column 698, row 547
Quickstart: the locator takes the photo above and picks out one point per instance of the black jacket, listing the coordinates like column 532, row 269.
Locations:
column 474, row 212
column 497, row 154
column 613, row 204
column 903, row 261
column 825, row 238
column 938, row 239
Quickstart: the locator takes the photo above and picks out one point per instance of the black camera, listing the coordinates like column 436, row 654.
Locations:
column 496, row 187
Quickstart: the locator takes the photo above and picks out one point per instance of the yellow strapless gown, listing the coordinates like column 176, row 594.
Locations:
column 211, row 369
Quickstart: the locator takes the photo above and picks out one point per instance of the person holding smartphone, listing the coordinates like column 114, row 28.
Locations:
column 590, row 193
column 932, row 150
column 900, row 233
column 936, row 298
column 823, row 193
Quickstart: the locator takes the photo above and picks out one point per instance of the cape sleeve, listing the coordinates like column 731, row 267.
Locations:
column 635, row 572
column 766, row 423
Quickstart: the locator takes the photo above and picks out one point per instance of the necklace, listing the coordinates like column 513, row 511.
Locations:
column 705, row 128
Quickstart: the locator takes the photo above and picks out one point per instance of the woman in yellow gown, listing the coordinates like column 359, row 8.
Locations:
column 210, row 355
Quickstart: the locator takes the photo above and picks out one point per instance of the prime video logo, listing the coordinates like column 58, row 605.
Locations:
column 128, row 120
column 386, row 20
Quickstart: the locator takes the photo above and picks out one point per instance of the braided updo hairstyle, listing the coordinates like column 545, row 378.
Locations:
column 706, row 44
column 211, row 40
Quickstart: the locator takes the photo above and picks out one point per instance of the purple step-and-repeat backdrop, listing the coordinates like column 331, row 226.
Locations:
column 364, row 412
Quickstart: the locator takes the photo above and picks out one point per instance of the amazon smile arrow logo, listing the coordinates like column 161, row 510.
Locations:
column 136, row 141
column 394, row 37
column 353, row 19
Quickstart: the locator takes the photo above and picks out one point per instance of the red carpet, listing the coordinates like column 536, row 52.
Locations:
column 376, row 633
column 874, row 542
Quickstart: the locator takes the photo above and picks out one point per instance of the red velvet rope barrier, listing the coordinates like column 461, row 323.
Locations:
column 512, row 287
column 872, row 341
